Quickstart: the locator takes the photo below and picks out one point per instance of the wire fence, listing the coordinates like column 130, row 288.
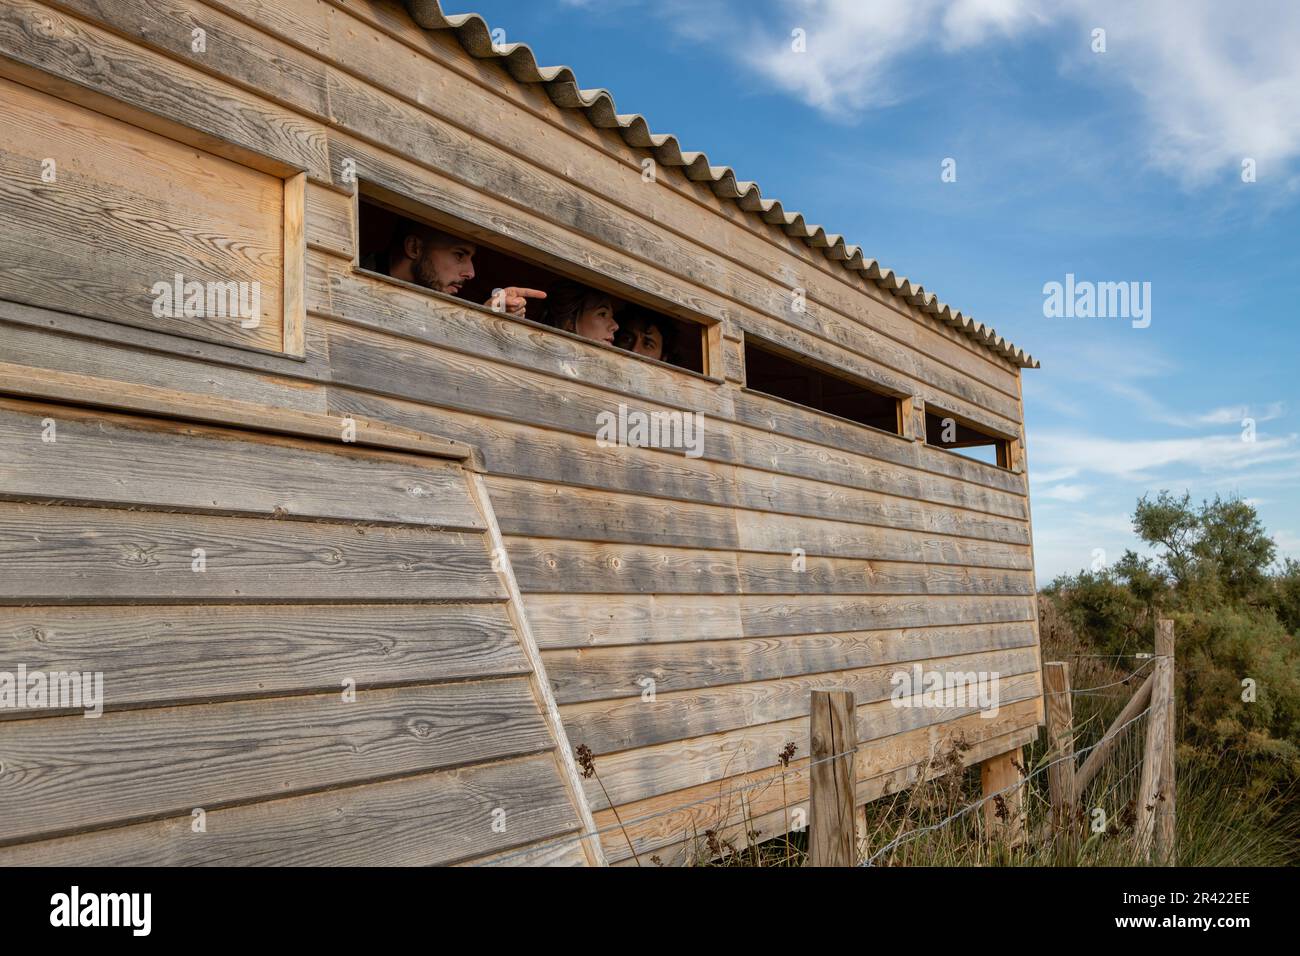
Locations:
column 933, row 796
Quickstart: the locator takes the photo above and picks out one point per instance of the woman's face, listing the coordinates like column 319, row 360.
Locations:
column 596, row 322
column 648, row 341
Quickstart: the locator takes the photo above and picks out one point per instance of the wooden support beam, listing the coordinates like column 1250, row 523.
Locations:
column 1004, row 815
column 833, row 731
column 1060, row 735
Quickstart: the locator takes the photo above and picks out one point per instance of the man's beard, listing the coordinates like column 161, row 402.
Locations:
column 426, row 274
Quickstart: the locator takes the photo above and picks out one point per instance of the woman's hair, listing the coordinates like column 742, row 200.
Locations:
column 566, row 300
column 636, row 324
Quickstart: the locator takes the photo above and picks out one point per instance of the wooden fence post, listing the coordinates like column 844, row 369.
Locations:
column 1060, row 735
column 1149, row 795
column 832, row 785
column 1166, row 809
column 996, row 775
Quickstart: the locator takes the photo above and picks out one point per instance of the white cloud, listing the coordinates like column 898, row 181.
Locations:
column 1064, row 492
column 1215, row 86
column 1074, row 453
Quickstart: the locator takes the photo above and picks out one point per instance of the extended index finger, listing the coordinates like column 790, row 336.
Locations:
column 527, row 293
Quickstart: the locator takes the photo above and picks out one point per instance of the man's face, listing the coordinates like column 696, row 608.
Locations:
column 445, row 268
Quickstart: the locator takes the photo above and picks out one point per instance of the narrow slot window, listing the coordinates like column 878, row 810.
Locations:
column 783, row 376
column 441, row 259
column 944, row 431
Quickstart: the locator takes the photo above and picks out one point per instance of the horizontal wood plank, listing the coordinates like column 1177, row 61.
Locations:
column 71, row 773
column 170, row 654
column 64, row 555
column 427, row 820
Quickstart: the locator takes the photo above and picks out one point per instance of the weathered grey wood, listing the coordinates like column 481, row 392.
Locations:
column 839, row 539
column 521, row 451
column 64, row 774
column 431, row 819
column 832, row 745
column 120, row 460
column 558, row 621
column 766, row 617
column 630, row 722
column 527, row 508
column 170, row 654
column 518, row 450
column 1060, row 733
column 779, row 574
column 1166, row 814
column 47, row 339
column 593, row 568
column 606, row 673
column 38, row 42
column 131, row 208
column 63, row 555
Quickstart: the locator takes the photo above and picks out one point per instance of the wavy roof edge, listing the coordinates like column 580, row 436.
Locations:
column 562, row 87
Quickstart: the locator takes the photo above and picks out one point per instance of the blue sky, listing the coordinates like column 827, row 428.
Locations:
column 1115, row 166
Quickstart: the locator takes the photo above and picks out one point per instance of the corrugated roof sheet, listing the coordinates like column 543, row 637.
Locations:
column 562, row 86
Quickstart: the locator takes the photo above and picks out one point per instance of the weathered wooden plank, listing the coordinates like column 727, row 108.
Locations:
column 768, row 491
column 426, row 820
column 64, row 774
column 522, row 451
column 115, row 459
column 170, row 654
column 129, row 209
column 61, row 341
column 420, row 373
column 150, row 400
column 781, row 574
column 329, row 223
column 459, row 387
column 636, row 774
column 565, row 760
column 610, row 673
column 560, row 621
column 580, row 567
column 838, row 539
column 559, row 511
column 766, row 617
column 68, row 555
column 629, row 723
column 90, row 65
column 560, row 850
column 533, row 509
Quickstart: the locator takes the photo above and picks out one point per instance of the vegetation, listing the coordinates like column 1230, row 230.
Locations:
column 1237, row 620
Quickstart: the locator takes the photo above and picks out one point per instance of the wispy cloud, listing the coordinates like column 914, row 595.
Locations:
column 1215, row 89
column 1075, row 453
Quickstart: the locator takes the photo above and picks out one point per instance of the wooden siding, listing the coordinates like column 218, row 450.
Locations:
column 223, row 685
column 632, row 563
